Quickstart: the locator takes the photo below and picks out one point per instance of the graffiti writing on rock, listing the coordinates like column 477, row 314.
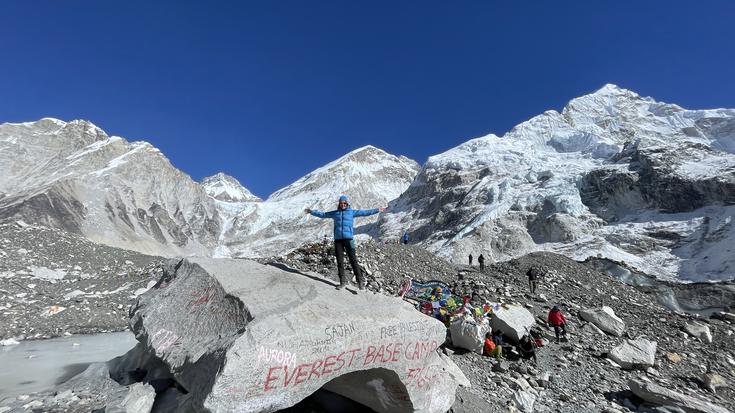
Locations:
column 402, row 328
column 201, row 297
column 271, row 355
column 164, row 339
column 340, row 330
column 422, row 377
column 284, row 376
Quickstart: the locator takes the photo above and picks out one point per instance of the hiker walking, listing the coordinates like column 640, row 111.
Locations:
column 405, row 238
column 532, row 274
column 343, row 241
column 470, row 260
column 557, row 320
column 481, row 260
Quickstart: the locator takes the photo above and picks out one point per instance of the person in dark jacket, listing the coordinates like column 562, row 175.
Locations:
column 481, row 261
column 343, row 232
column 557, row 320
column 527, row 348
column 405, row 238
column 533, row 274
column 470, row 260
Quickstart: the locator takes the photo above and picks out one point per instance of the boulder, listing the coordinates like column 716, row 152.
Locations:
column 512, row 320
column 240, row 336
column 468, row 334
column 712, row 381
column 605, row 319
column 524, row 401
column 633, row 354
column 698, row 330
column 656, row 394
column 138, row 398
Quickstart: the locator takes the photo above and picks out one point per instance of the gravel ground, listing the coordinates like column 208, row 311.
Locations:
column 573, row 376
column 580, row 378
column 53, row 283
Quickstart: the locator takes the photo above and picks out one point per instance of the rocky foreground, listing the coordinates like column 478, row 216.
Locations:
column 662, row 357
column 53, row 283
column 571, row 376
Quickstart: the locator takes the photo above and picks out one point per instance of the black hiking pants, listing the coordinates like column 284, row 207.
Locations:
column 563, row 329
column 340, row 246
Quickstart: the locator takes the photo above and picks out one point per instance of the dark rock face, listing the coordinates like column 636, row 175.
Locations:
column 56, row 207
column 654, row 179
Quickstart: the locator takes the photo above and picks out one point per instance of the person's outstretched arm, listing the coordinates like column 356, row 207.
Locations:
column 367, row 212
column 320, row 214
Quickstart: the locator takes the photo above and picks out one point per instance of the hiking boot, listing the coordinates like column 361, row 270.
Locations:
column 341, row 286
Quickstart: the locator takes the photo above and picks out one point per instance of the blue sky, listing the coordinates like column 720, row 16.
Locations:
column 267, row 91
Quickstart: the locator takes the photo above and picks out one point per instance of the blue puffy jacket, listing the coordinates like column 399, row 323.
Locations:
column 343, row 219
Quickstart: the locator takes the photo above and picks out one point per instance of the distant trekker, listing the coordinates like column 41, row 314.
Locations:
column 557, row 320
column 343, row 241
column 470, row 260
column 405, row 238
column 533, row 274
column 481, row 261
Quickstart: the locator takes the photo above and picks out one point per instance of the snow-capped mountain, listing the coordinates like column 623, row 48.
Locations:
column 76, row 177
column 370, row 176
column 614, row 175
column 227, row 189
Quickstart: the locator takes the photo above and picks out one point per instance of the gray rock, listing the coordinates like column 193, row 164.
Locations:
column 659, row 395
column 712, row 381
column 501, row 367
column 698, row 330
column 524, row 401
column 513, row 321
column 240, row 336
column 138, row 398
column 605, row 319
column 633, row 354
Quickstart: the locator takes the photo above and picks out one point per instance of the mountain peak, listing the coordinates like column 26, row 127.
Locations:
column 223, row 187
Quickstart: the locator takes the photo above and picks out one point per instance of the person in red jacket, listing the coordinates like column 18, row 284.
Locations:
column 556, row 319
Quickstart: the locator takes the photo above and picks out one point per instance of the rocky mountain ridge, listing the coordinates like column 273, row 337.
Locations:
column 613, row 174
column 227, row 189
column 75, row 177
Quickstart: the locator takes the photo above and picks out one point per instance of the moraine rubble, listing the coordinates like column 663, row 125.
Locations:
column 573, row 376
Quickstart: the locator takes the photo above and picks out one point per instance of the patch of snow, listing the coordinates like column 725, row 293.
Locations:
column 47, row 273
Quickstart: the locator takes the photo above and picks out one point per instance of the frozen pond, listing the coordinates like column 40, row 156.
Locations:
column 37, row 365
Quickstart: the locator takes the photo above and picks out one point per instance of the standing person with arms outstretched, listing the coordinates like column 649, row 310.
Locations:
column 343, row 242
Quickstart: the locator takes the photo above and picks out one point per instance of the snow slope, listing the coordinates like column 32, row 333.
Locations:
column 228, row 189
column 614, row 174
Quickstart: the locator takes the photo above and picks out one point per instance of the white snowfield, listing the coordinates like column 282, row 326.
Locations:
column 612, row 175
column 522, row 192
